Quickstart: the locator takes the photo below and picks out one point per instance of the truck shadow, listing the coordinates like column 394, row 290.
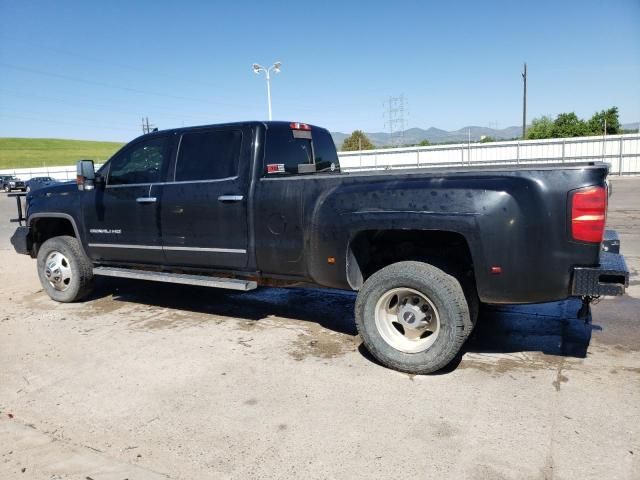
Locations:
column 549, row 328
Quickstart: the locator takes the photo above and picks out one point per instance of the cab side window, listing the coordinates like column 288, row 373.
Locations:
column 208, row 155
column 143, row 163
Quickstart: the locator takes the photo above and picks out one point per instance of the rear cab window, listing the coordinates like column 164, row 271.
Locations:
column 291, row 150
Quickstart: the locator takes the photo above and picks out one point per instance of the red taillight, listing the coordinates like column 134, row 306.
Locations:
column 588, row 214
column 300, row 126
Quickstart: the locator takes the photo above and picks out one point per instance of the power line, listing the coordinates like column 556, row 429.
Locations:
column 119, row 87
column 62, row 122
column 101, row 61
column 93, row 106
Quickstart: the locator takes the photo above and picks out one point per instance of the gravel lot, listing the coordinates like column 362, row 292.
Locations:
column 149, row 381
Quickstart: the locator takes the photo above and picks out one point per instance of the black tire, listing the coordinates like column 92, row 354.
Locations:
column 442, row 289
column 81, row 281
column 7, row 188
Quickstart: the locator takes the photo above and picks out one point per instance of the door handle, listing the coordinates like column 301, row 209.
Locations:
column 146, row 199
column 230, row 198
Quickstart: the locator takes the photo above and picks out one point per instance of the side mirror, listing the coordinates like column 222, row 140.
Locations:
column 85, row 175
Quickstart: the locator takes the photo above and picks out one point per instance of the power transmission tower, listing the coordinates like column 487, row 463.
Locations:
column 146, row 126
column 395, row 119
column 524, row 102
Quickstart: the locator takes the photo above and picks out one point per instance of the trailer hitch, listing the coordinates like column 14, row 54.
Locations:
column 585, row 309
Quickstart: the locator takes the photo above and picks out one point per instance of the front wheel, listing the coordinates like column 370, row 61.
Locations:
column 413, row 317
column 66, row 274
column 7, row 188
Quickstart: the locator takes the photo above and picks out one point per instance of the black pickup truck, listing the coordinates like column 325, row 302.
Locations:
column 265, row 203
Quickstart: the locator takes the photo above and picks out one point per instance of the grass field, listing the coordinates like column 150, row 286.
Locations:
column 51, row 152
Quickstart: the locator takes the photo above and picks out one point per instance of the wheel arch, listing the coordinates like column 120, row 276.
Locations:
column 371, row 250
column 43, row 226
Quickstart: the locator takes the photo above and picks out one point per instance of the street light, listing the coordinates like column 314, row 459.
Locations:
column 276, row 69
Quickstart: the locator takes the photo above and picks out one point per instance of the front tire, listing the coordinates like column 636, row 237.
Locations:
column 7, row 188
column 413, row 317
column 65, row 272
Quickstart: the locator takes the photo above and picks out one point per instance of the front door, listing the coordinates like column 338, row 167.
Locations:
column 121, row 215
column 204, row 209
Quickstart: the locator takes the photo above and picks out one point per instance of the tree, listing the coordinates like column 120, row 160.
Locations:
column 597, row 122
column 569, row 125
column 487, row 139
column 424, row 143
column 357, row 141
column 540, row 128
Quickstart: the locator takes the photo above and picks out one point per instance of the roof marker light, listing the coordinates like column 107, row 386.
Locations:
column 300, row 126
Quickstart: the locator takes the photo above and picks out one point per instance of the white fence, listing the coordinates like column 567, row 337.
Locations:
column 622, row 152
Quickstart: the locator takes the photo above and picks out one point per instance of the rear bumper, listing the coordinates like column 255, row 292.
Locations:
column 611, row 277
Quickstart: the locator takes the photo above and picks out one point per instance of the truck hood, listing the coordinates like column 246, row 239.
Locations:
column 54, row 189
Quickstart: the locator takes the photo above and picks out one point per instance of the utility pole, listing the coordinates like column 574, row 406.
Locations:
column 524, row 102
column 604, row 139
column 396, row 120
column 146, row 126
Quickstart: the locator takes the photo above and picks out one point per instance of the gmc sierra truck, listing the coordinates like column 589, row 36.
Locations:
column 253, row 204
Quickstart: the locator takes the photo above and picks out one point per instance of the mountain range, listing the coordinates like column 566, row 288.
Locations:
column 434, row 135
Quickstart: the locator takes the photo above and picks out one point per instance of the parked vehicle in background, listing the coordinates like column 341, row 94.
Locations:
column 11, row 182
column 265, row 203
column 39, row 182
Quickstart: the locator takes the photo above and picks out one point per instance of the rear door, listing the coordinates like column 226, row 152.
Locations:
column 281, row 190
column 204, row 207
column 121, row 216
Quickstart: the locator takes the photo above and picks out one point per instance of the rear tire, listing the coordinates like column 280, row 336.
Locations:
column 65, row 272
column 400, row 296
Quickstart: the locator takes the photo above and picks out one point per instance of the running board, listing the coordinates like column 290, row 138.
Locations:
column 182, row 278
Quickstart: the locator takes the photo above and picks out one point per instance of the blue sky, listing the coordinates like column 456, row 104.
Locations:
column 91, row 70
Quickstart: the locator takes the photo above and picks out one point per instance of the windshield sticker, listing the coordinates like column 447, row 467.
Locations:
column 275, row 168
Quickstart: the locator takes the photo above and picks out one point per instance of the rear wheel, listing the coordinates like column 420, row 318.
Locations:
column 413, row 317
column 66, row 274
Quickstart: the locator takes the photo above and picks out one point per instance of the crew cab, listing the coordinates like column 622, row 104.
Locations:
column 253, row 204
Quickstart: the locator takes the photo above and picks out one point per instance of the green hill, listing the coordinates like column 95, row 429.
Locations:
column 52, row 152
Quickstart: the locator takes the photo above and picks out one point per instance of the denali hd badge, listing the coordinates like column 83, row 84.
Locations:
column 115, row 231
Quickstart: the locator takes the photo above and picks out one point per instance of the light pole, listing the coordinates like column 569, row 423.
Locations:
column 259, row 68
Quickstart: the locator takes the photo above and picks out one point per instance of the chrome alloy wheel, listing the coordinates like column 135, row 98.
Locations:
column 57, row 271
column 407, row 320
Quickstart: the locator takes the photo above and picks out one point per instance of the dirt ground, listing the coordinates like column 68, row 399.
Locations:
column 150, row 381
